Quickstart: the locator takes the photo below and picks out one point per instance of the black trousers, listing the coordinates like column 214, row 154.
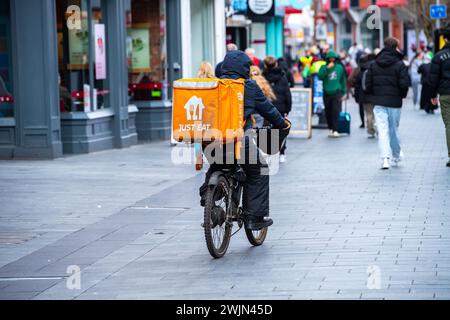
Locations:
column 333, row 107
column 255, row 199
column 361, row 113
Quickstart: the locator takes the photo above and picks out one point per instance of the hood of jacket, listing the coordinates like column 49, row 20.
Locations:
column 274, row 75
column 332, row 54
column 388, row 57
column 236, row 65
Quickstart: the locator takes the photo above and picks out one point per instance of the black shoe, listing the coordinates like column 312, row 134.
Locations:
column 362, row 126
column 203, row 200
column 448, row 163
column 257, row 223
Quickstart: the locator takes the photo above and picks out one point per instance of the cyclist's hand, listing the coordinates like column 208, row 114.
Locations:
column 288, row 124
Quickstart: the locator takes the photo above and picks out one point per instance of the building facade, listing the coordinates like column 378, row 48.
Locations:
column 79, row 76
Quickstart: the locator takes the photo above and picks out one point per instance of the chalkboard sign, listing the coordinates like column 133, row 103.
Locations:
column 301, row 113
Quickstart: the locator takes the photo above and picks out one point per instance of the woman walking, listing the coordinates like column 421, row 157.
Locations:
column 280, row 86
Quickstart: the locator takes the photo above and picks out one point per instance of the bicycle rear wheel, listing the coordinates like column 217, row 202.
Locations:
column 217, row 225
column 256, row 238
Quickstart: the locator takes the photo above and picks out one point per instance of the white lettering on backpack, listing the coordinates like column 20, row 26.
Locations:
column 196, row 105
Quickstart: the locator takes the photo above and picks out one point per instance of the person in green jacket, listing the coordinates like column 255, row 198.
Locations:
column 335, row 88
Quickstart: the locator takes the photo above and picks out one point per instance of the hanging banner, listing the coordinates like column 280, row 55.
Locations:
column 390, row 3
column 100, row 52
column 326, row 6
column 344, row 4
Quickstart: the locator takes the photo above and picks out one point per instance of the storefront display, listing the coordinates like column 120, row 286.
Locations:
column 6, row 96
column 82, row 56
column 146, row 49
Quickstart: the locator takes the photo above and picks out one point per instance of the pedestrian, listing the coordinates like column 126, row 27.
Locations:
column 335, row 88
column 425, row 96
column 280, row 86
column 415, row 75
column 364, row 64
column 284, row 65
column 205, row 70
column 218, row 70
column 250, row 52
column 439, row 81
column 387, row 82
column 256, row 74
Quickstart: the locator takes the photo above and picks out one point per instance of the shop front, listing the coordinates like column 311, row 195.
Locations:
column 78, row 76
column 7, row 120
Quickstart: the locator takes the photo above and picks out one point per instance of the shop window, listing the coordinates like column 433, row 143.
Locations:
column 6, row 85
column 146, row 49
column 369, row 37
column 202, row 26
column 82, row 55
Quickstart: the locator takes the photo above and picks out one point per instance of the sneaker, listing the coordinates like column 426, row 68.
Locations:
column 396, row 161
column 385, row 164
column 371, row 136
column 330, row 133
column 257, row 223
column 282, row 158
column 336, row 134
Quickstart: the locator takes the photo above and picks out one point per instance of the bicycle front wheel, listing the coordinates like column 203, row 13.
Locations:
column 217, row 225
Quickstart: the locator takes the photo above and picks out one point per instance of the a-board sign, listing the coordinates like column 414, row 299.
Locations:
column 300, row 115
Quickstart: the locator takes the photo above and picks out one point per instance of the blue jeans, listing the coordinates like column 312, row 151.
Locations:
column 388, row 120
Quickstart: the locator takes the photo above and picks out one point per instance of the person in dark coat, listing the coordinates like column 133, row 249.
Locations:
column 425, row 94
column 360, row 97
column 284, row 65
column 387, row 82
column 236, row 65
column 276, row 76
column 439, row 81
column 218, row 69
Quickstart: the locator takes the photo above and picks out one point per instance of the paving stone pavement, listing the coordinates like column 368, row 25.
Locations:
column 344, row 229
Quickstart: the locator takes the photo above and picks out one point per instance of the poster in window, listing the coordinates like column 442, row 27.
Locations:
column 100, row 52
column 78, row 46
column 140, row 51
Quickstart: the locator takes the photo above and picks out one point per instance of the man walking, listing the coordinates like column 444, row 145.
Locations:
column 387, row 82
column 439, row 81
column 335, row 88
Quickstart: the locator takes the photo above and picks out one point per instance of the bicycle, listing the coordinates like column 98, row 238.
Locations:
column 223, row 208
column 223, row 204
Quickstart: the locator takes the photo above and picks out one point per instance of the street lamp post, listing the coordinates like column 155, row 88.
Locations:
column 438, row 21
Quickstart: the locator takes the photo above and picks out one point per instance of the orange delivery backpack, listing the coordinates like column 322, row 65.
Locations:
column 207, row 110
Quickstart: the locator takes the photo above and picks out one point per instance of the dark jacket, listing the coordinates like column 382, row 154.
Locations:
column 364, row 64
column 218, row 70
column 280, row 86
column 439, row 78
column 387, row 79
column 284, row 65
column 236, row 65
column 424, row 71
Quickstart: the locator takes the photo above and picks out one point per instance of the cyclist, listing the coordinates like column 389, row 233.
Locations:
column 236, row 65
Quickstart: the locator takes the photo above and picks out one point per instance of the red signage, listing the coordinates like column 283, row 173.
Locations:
column 326, row 4
column 391, row 3
column 363, row 4
column 344, row 4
